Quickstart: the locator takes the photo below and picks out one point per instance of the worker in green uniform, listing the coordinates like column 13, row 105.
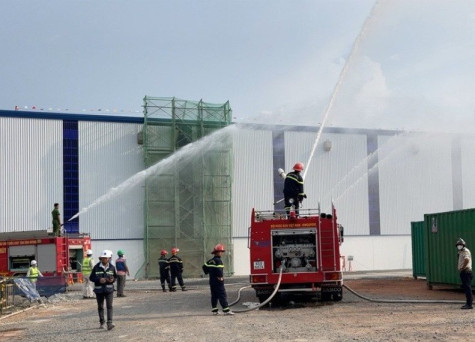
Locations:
column 56, row 220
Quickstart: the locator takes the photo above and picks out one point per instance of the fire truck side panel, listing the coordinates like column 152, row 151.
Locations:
column 52, row 254
column 46, row 257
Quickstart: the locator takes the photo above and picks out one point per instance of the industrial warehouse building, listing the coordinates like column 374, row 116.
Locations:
column 184, row 175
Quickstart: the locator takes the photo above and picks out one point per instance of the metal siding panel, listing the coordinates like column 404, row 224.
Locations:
column 253, row 176
column 108, row 156
column 468, row 167
column 415, row 178
column 442, row 230
column 339, row 175
column 30, row 173
column 418, row 250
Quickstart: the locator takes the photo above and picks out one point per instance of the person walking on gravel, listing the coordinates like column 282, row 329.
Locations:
column 465, row 269
column 104, row 275
column 215, row 267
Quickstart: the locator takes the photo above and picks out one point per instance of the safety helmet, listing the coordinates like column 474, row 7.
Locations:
column 298, row 166
column 175, row 250
column 218, row 248
column 33, row 262
column 120, row 252
column 89, row 252
column 163, row 252
column 106, row 254
column 460, row 241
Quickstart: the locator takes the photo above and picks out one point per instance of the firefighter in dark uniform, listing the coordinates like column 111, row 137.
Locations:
column 293, row 189
column 164, row 267
column 214, row 267
column 176, row 270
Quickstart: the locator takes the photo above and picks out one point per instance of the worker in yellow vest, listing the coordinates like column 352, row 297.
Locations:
column 33, row 273
column 87, row 266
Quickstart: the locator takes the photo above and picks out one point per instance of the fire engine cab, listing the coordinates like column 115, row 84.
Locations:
column 56, row 256
column 305, row 248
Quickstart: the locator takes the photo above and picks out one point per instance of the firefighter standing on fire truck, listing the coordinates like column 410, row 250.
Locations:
column 164, row 268
column 293, row 189
column 215, row 267
column 176, row 270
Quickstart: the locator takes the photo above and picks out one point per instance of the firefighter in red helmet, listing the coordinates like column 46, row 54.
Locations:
column 293, row 189
column 214, row 267
column 176, row 270
column 164, row 267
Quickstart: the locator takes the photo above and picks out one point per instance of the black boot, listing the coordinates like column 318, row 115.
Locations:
column 183, row 288
column 163, row 288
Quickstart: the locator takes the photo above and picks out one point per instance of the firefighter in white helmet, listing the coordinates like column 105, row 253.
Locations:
column 215, row 267
column 104, row 275
column 33, row 273
column 293, row 189
column 86, row 268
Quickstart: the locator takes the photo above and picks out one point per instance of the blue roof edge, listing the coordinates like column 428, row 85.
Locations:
column 68, row 116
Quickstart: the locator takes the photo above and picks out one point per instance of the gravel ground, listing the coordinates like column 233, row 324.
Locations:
column 147, row 314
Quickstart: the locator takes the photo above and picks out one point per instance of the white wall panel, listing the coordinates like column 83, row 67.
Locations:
column 108, row 156
column 31, row 172
column 252, row 178
column 468, row 171
column 415, row 177
column 339, row 175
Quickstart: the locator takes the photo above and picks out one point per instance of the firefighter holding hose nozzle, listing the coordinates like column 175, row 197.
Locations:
column 293, row 189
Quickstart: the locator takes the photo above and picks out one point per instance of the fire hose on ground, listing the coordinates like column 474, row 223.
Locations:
column 387, row 301
column 264, row 302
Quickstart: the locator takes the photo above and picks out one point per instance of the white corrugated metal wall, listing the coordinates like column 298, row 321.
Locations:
column 108, row 156
column 415, row 177
column 468, row 171
column 339, row 175
column 31, row 178
column 252, row 176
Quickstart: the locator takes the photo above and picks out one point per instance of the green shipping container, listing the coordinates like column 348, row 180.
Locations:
column 441, row 232
column 418, row 250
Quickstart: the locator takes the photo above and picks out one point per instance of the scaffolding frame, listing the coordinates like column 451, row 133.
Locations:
column 188, row 205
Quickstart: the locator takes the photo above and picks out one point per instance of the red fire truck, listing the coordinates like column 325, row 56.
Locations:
column 306, row 248
column 56, row 256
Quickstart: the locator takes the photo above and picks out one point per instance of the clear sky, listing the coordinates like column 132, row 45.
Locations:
column 413, row 64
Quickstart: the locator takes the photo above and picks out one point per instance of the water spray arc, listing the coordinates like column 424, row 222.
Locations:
column 207, row 143
column 337, row 87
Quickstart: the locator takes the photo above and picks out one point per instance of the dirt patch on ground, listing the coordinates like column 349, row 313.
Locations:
column 151, row 315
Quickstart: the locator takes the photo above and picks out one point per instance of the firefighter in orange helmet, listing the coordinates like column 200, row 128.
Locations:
column 293, row 189
column 214, row 267
column 164, row 267
column 176, row 270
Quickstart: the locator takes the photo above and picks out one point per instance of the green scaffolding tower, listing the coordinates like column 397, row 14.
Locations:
column 187, row 205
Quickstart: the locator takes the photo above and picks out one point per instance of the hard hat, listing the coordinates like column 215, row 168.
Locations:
column 120, row 252
column 175, row 250
column 33, row 262
column 106, row 254
column 89, row 252
column 218, row 248
column 460, row 241
column 163, row 252
column 298, row 166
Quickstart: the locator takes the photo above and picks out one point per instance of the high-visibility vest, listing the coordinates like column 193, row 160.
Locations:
column 86, row 266
column 34, row 272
